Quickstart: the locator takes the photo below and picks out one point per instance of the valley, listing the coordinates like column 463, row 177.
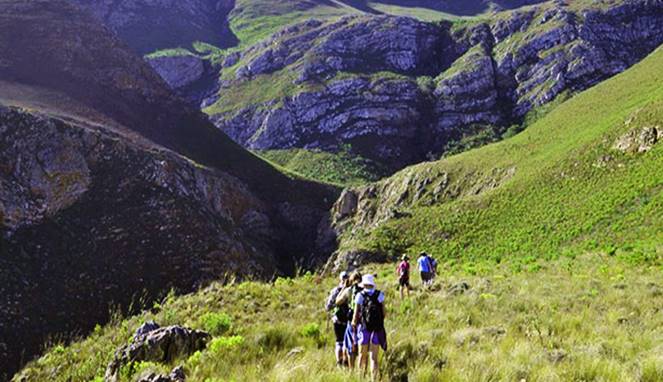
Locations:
column 215, row 163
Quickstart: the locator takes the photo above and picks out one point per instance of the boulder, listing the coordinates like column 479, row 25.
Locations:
column 162, row 345
column 177, row 375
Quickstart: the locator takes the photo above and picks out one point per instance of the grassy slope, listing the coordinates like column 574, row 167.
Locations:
column 338, row 168
column 591, row 317
column 588, row 318
column 560, row 197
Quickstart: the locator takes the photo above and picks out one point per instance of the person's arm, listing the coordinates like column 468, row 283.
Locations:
column 343, row 296
column 357, row 313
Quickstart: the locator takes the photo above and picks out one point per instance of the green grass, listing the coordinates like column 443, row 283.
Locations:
column 341, row 168
column 590, row 318
column 544, row 191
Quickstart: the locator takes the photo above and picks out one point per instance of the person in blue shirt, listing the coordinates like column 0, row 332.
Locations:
column 425, row 269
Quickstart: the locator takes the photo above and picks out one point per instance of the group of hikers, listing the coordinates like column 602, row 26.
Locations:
column 358, row 313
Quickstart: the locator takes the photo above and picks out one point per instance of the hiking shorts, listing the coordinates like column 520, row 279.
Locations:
column 339, row 331
column 426, row 276
column 404, row 281
column 364, row 336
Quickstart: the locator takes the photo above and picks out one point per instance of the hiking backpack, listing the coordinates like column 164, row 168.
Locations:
column 372, row 317
column 343, row 313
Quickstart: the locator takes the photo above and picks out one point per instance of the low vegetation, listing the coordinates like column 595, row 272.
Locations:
column 566, row 187
column 340, row 168
column 592, row 317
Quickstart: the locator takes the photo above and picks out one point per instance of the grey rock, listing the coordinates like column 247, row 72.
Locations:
column 145, row 329
column 162, row 345
column 458, row 288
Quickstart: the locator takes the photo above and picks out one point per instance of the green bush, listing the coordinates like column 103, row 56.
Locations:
column 216, row 323
column 275, row 338
column 222, row 343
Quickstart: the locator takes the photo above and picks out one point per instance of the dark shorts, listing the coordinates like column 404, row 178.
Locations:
column 339, row 332
column 426, row 276
column 404, row 281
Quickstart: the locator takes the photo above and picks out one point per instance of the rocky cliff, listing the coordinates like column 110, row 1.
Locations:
column 398, row 89
column 113, row 190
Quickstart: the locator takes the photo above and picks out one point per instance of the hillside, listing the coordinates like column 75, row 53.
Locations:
column 113, row 190
column 550, row 245
column 398, row 90
column 584, row 178
column 321, row 75
column 585, row 318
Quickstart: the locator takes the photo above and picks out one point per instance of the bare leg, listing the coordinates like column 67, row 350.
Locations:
column 363, row 359
column 339, row 354
column 374, row 352
column 351, row 359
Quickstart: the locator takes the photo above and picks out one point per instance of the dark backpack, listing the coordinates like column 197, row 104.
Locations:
column 343, row 313
column 372, row 317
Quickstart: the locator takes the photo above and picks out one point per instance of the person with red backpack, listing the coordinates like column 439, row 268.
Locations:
column 368, row 321
column 403, row 272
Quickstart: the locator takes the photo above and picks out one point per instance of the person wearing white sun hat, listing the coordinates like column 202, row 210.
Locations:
column 368, row 319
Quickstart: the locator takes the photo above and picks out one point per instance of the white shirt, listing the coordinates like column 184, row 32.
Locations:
column 359, row 300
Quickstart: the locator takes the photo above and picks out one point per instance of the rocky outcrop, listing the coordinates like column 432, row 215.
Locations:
column 467, row 93
column 397, row 44
column 374, row 115
column 113, row 190
column 480, row 75
column 161, row 345
column 92, row 217
column 639, row 140
column 363, row 209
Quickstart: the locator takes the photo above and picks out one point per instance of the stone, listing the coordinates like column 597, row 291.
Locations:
column 458, row 288
column 145, row 329
column 161, row 345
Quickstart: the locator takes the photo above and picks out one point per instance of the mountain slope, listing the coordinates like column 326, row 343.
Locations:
column 113, row 190
column 585, row 177
column 398, row 90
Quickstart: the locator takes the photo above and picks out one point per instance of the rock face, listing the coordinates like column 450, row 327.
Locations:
column 112, row 188
column 374, row 115
column 160, row 345
column 91, row 218
column 441, row 81
column 149, row 25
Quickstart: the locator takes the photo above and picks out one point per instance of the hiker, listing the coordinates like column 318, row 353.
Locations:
column 347, row 296
column 368, row 320
column 340, row 317
column 425, row 269
column 403, row 272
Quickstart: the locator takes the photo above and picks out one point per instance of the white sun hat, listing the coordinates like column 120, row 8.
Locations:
column 367, row 280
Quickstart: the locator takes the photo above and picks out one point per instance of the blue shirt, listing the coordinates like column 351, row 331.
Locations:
column 424, row 264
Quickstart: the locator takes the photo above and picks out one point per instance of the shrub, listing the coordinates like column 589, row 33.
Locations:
column 275, row 339
column 216, row 323
column 311, row 330
column 222, row 343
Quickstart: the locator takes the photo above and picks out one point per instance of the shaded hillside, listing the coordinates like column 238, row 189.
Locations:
column 584, row 178
column 148, row 26
column 112, row 189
